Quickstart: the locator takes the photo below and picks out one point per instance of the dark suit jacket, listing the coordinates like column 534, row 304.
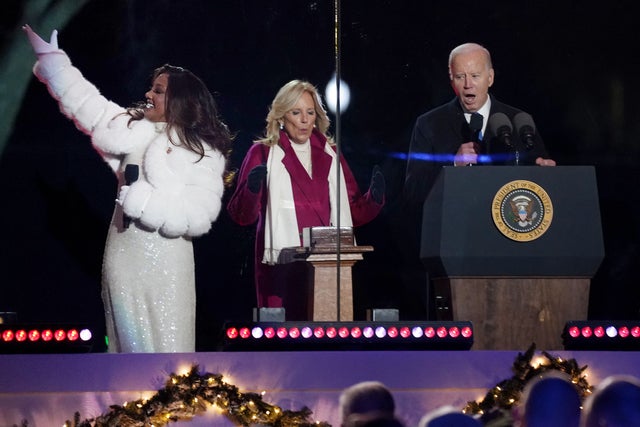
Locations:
column 437, row 135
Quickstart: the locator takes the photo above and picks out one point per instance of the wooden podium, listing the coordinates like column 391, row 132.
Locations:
column 327, row 303
column 516, row 285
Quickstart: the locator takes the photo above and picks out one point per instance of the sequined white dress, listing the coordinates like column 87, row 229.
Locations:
column 148, row 284
column 148, row 288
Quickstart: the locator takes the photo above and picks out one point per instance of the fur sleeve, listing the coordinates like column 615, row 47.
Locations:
column 79, row 100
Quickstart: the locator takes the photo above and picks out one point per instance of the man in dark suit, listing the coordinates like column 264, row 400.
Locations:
column 465, row 131
column 445, row 135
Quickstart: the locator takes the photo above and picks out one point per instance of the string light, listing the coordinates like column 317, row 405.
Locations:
column 210, row 391
column 202, row 391
column 500, row 399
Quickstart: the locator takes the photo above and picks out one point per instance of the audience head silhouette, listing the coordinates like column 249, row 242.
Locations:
column 551, row 400
column 614, row 403
column 448, row 416
column 368, row 399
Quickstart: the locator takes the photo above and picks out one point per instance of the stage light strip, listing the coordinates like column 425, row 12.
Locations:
column 294, row 332
column 45, row 335
column 602, row 334
column 24, row 338
column 459, row 334
column 602, row 330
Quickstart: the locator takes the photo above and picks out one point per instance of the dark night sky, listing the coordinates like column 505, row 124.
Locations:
column 573, row 67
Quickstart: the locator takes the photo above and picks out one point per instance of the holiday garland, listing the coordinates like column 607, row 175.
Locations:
column 188, row 395
column 191, row 394
column 495, row 408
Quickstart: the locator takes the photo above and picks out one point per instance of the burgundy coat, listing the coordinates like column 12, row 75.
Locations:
column 311, row 196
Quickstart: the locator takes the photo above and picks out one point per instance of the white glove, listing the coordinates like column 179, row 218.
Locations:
column 123, row 193
column 40, row 46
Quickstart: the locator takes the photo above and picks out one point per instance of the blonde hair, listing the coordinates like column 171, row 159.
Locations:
column 285, row 100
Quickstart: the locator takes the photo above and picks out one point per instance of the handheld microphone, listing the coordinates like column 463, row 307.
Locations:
column 475, row 126
column 131, row 173
column 526, row 129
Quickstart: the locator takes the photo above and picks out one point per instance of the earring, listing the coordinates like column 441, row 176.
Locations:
column 281, row 125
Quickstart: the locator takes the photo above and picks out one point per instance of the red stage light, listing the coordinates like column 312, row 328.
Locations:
column 623, row 331
column 282, row 332
column 442, row 332
column 574, row 332
column 34, row 335
column 586, row 332
column 429, row 332
column 635, row 331
column 47, row 335
column 21, row 335
column 467, row 332
column 405, row 332
column 60, row 335
column 343, row 332
column 244, row 333
column 294, row 332
column 8, row 335
column 392, row 332
column 332, row 332
column 318, row 332
column 269, row 332
column 454, row 332
column 232, row 333
column 73, row 334
column 356, row 332
column 599, row 331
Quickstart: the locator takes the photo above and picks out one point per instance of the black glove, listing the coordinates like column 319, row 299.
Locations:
column 255, row 178
column 377, row 187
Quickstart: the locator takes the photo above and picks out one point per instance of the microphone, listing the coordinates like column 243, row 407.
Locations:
column 475, row 126
column 500, row 126
column 131, row 172
column 526, row 128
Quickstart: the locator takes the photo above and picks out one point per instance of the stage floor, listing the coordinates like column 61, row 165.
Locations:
column 47, row 389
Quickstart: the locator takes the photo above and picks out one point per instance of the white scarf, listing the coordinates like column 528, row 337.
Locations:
column 281, row 223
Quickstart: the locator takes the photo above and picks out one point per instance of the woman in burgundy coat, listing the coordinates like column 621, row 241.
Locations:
column 287, row 182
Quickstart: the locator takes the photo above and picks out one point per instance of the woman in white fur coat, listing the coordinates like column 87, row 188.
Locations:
column 174, row 150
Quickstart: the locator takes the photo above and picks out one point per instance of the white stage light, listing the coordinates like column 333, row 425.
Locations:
column 331, row 95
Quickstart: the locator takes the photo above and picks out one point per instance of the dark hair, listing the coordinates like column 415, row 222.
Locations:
column 366, row 397
column 191, row 112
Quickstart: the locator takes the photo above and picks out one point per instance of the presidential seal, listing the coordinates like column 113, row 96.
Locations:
column 522, row 210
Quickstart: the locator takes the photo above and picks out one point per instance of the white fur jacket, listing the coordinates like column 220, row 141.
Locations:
column 174, row 194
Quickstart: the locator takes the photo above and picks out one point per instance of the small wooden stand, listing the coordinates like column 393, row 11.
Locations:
column 324, row 289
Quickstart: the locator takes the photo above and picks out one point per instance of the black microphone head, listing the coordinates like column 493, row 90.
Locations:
column 526, row 128
column 131, row 172
column 497, row 121
column 524, row 122
column 500, row 126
